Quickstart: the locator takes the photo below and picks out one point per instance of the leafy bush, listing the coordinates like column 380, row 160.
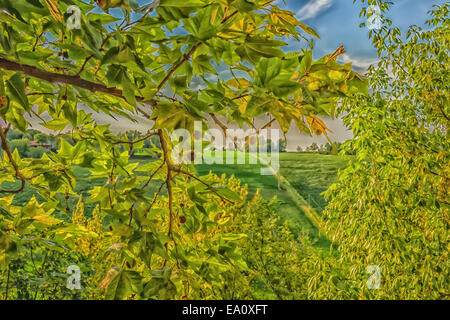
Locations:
column 35, row 152
column 21, row 145
column 390, row 207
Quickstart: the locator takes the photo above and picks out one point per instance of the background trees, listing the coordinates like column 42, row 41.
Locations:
column 390, row 208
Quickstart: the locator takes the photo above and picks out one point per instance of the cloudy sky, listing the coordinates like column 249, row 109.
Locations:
column 337, row 22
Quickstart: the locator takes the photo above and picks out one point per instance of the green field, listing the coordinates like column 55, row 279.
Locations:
column 309, row 174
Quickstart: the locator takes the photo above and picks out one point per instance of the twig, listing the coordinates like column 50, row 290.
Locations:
column 84, row 64
column 136, row 141
column 154, row 199
column 152, row 175
column 18, row 174
column 178, row 65
column 210, row 187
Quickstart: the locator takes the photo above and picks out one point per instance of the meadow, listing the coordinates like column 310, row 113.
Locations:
column 309, row 173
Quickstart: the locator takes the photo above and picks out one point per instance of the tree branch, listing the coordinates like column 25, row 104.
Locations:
column 179, row 64
column 67, row 79
column 188, row 56
column 219, row 123
column 136, row 141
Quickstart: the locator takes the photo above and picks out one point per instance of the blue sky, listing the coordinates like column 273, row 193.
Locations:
column 337, row 22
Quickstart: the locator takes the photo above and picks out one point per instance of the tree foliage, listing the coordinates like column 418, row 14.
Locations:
column 390, row 207
column 159, row 229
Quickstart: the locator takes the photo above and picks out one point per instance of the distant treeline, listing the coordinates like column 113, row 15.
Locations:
column 332, row 149
column 34, row 143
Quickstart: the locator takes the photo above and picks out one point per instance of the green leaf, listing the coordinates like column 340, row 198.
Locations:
column 126, row 282
column 308, row 29
column 201, row 65
column 56, row 124
column 172, row 116
column 357, row 86
column 87, row 160
column 129, row 91
column 101, row 18
column 205, row 24
column 15, row 116
column 110, row 56
column 70, row 112
column 305, row 62
column 254, row 48
column 268, row 69
column 160, row 286
column 16, row 88
column 227, row 193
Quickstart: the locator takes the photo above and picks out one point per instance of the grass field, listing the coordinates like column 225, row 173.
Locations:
column 309, row 174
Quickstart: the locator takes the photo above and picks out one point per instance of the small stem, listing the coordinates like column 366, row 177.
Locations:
column 7, row 282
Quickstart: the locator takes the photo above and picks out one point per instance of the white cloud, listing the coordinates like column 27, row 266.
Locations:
column 360, row 64
column 312, row 9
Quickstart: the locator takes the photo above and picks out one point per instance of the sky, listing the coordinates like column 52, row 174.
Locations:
column 338, row 23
